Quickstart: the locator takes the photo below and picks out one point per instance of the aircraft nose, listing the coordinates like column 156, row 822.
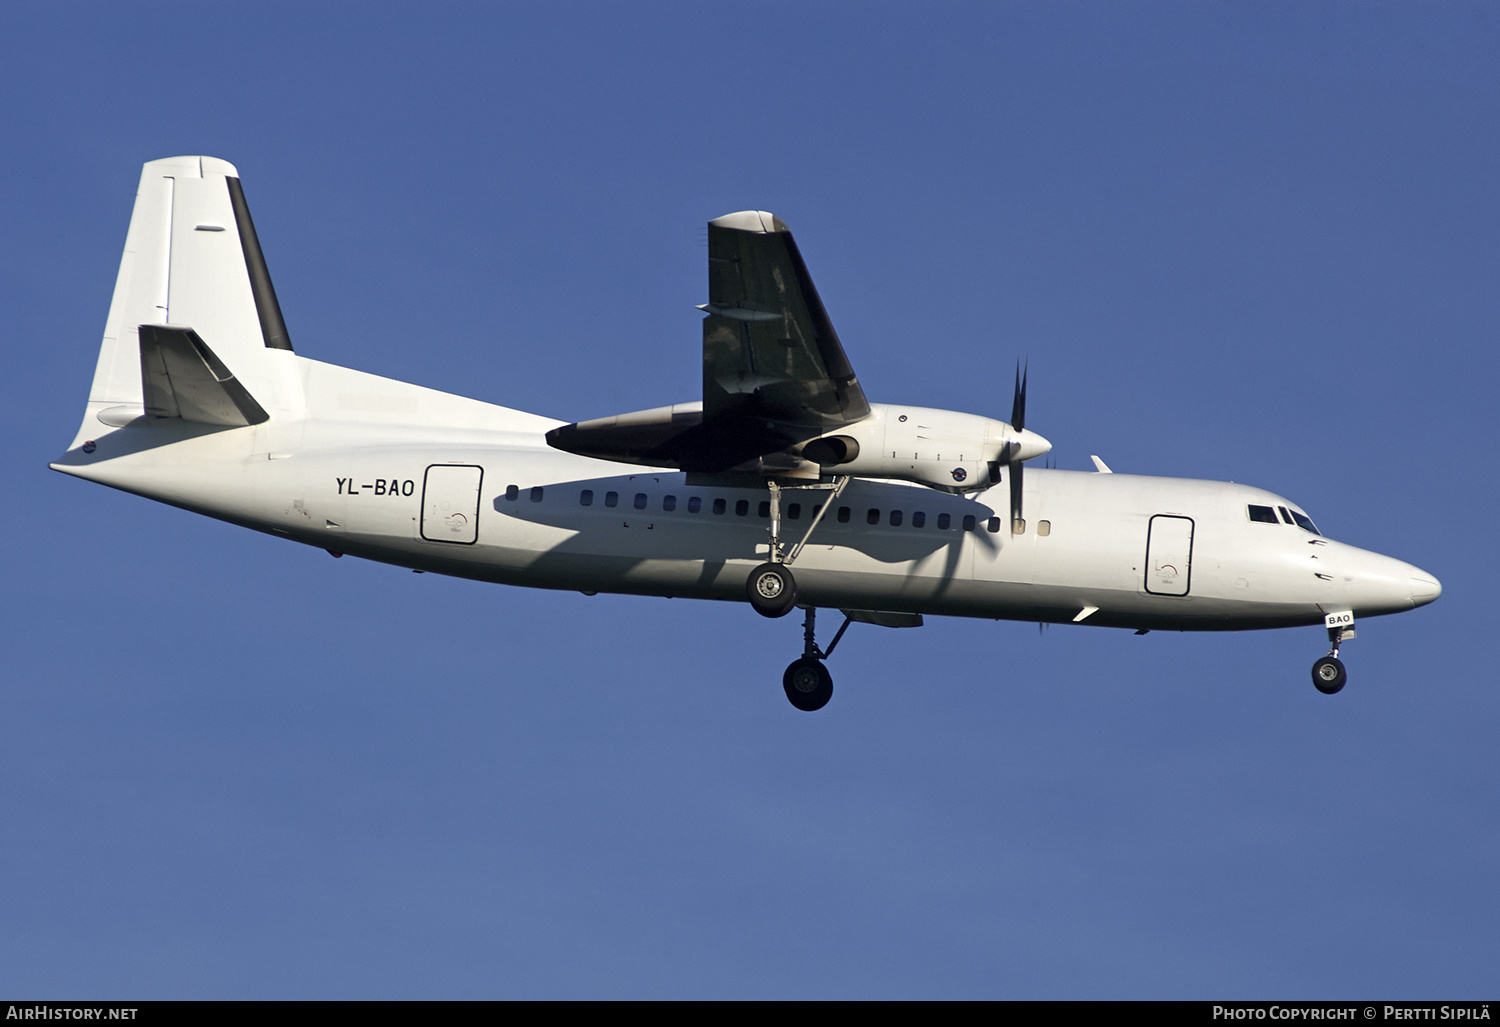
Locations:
column 1383, row 584
column 1424, row 587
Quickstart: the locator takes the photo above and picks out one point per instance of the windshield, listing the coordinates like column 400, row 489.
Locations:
column 1304, row 521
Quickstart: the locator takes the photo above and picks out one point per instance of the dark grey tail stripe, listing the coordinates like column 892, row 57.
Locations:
column 272, row 327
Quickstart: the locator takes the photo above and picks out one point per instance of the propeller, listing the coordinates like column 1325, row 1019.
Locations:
column 1013, row 453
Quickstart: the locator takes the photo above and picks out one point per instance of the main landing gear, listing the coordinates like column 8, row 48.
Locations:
column 807, row 682
column 771, row 589
column 1328, row 674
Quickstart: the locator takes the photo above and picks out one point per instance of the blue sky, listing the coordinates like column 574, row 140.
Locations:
column 1246, row 241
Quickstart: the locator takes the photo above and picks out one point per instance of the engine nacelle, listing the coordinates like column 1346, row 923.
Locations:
column 942, row 449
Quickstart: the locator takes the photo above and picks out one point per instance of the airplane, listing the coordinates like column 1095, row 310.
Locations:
column 783, row 486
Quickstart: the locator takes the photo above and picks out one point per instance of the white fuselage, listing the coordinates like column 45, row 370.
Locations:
column 502, row 506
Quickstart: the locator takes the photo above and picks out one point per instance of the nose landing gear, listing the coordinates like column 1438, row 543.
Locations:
column 1328, row 674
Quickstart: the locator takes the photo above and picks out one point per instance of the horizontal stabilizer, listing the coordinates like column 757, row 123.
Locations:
column 181, row 377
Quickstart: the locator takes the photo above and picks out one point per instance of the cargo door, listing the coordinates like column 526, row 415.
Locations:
column 450, row 503
column 1169, row 555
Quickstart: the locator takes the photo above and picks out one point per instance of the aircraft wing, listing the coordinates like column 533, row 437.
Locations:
column 769, row 350
column 774, row 372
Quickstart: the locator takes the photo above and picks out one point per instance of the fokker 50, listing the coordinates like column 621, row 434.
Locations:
column 783, row 486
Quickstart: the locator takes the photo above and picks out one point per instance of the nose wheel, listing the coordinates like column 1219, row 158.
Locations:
column 1328, row 674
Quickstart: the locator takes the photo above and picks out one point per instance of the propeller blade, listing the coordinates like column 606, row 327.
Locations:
column 1016, row 468
column 1013, row 457
column 1018, row 405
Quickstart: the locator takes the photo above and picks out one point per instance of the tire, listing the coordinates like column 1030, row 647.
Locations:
column 808, row 684
column 1328, row 675
column 772, row 590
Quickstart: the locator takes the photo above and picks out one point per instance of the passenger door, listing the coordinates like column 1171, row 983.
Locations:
column 450, row 503
column 1169, row 555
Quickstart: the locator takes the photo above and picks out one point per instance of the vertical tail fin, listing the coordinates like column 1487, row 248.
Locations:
column 192, row 261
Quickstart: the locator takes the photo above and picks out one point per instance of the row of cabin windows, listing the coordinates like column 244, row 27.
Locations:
column 1266, row 515
column 793, row 511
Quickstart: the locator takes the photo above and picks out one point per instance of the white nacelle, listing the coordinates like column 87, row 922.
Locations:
column 942, row 449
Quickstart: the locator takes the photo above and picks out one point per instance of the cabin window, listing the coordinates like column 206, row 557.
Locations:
column 1044, row 528
column 611, row 499
column 1264, row 514
column 669, row 503
column 944, row 521
column 895, row 518
column 1305, row 523
column 843, row 515
column 993, row 526
column 640, row 500
column 969, row 522
column 718, row 506
column 741, row 507
column 918, row 519
column 765, row 508
column 586, row 497
column 794, row 512
column 512, row 492
column 695, row 503
column 872, row 516
column 536, row 494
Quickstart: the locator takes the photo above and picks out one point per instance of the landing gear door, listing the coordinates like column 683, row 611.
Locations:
column 1169, row 555
column 450, row 503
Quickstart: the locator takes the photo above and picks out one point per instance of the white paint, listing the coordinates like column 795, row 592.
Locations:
column 312, row 473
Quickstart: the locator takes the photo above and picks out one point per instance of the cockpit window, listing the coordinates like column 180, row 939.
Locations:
column 1305, row 522
column 1262, row 513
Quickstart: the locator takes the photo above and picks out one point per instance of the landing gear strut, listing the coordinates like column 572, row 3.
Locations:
column 807, row 682
column 771, row 589
column 1328, row 674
